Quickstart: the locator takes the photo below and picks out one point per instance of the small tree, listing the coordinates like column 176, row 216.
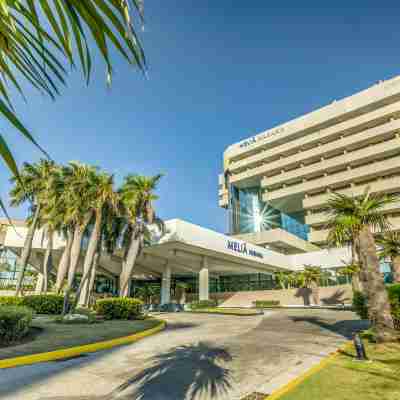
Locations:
column 310, row 278
column 390, row 248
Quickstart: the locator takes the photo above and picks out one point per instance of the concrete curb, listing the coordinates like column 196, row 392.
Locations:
column 277, row 394
column 77, row 350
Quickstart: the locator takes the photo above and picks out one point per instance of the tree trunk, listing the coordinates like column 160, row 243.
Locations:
column 84, row 279
column 76, row 250
column 64, row 263
column 355, row 283
column 378, row 301
column 128, row 265
column 47, row 262
column 39, row 284
column 396, row 269
column 89, row 257
column 26, row 252
column 92, row 279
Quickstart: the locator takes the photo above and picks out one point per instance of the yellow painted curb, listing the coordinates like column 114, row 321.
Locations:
column 297, row 381
column 75, row 351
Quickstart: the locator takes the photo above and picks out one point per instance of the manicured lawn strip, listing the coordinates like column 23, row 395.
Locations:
column 345, row 379
column 227, row 311
column 61, row 336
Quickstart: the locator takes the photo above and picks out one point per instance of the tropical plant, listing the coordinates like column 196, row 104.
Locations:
column 78, row 196
column 28, row 188
column 358, row 218
column 38, row 39
column 137, row 195
column 352, row 271
column 104, row 198
column 390, row 248
column 310, row 278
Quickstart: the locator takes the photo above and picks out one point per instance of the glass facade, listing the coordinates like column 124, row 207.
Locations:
column 249, row 214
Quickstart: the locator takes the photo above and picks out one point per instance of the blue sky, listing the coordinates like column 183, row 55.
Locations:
column 219, row 71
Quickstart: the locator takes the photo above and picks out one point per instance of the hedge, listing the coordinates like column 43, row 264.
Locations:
column 195, row 305
column 15, row 322
column 40, row 304
column 119, row 308
column 360, row 304
column 266, row 303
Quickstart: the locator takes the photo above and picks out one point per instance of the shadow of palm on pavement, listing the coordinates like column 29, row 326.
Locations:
column 194, row 371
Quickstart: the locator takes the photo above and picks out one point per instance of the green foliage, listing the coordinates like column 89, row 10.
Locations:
column 11, row 301
column 394, row 298
column 41, row 304
column 266, row 303
column 15, row 322
column 195, row 305
column 360, row 305
column 45, row 303
column 119, row 308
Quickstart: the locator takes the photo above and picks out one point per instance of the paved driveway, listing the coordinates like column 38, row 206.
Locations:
column 198, row 357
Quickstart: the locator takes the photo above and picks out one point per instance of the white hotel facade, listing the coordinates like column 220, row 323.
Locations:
column 275, row 185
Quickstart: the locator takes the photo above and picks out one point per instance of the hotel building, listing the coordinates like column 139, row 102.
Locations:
column 276, row 185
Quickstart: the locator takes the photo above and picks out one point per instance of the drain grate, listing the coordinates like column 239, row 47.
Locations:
column 255, row 396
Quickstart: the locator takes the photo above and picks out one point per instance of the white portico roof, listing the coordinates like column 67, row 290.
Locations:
column 186, row 248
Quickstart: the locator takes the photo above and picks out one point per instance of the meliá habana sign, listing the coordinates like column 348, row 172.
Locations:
column 242, row 249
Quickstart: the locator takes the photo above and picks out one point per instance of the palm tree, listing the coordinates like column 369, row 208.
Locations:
column 78, row 196
column 137, row 195
column 352, row 271
column 310, row 278
column 103, row 197
column 390, row 244
column 38, row 40
column 363, row 216
column 281, row 279
column 28, row 188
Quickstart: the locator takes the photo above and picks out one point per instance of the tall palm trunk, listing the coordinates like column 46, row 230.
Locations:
column 378, row 301
column 76, row 250
column 64, row 263
column 48, row 260
column 396, row 269
column 355, row 279
column 90, row 252
column 26, row 251
column 92, row 278
column 128, row 264
column 362, row 273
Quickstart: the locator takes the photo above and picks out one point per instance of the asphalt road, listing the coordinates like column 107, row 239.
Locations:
column 198, row 357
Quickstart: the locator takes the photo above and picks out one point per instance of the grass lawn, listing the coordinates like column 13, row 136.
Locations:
column 52, row 336
column 344, row 379
column 227, row 311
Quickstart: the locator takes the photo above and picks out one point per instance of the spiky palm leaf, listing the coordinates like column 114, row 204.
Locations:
column 349, row 214
column 38, row 39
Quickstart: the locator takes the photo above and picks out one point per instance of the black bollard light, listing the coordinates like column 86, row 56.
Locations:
column 360, row 348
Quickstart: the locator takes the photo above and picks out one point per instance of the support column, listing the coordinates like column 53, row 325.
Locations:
column 204, row 293
column 166, row 285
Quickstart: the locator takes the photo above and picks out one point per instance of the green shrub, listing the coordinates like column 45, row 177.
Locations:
column 15, row 322
column 45, row 303
column 11, row 301
column 394, row 297
column 195, row 305
column 40, row 304
column 266, row 303
column 119, row 308
column 360, row 305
